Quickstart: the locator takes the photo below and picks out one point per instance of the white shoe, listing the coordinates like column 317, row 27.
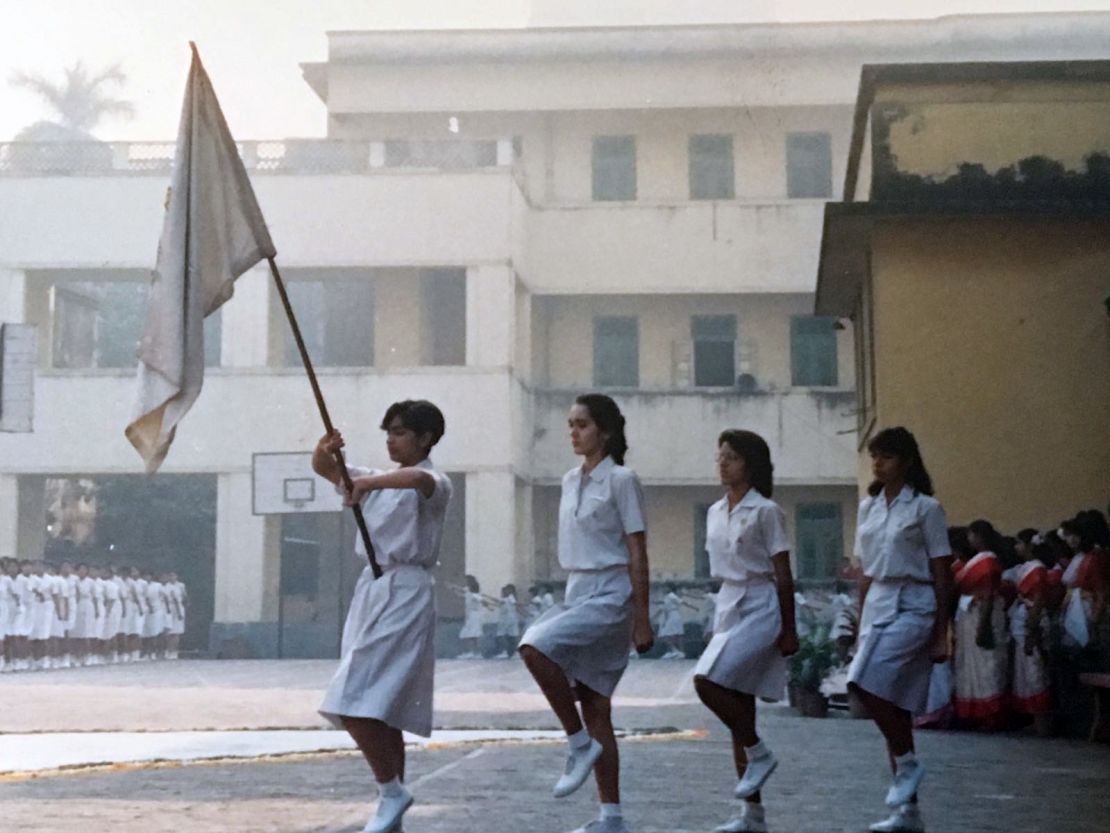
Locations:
column 756, row 774
column 905, row 819
column 907, row 778
column 390, row 811
column 610, row 825
column 579, row 764
column 750, row 820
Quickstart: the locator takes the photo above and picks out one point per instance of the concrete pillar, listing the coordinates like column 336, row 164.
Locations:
column 490, row 310
column 9, row 515
column 246, row 321
column 13, row 294
column 491, row 538
column 32, row 516
column 244, row 571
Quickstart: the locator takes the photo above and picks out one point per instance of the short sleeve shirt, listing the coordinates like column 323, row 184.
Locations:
column 741, row 541
column 405, row 527
column 895, row 542
column 595, row 513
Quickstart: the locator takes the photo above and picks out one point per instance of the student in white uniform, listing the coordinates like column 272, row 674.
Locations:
column 580, row 647
column 155, row 620
column 508, row 621
column 55, row 647
column 84, row 618
column 754, row 628
column 113, row 616
column 96, row 638
column 671, row 625
column 42, row 620
column 905, row 599
column 138, row 650
column 175, row 593
column 69, row 579
column 386, row 672
column 471, row 632
column 6, row 602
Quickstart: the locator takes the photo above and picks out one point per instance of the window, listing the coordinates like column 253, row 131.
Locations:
column 99, row 324
column 614, row 168
column 714, row 350
column 808, row 165
column 819, row 537
column 444, row 316
column 712, row 176
column 701, row 557
column 813, row 350
column 336, row 318
column 616, row 351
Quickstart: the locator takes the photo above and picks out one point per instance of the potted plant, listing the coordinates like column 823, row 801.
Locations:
column 808, row 668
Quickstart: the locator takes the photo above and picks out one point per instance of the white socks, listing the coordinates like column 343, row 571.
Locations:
column 391, row 789
column 760, row 750
column 579, row 740
column 610, row 811
column 907, row 760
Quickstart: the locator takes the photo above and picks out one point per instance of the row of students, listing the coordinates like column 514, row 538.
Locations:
column 70, row 616
column 1026, row 604
column 577, row 650
column 511, row 616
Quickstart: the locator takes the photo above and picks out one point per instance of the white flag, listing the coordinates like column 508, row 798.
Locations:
column 213, row 232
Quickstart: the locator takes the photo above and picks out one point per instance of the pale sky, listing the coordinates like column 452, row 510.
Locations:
column 252, row 48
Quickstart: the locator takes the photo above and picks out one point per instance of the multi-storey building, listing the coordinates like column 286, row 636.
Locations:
column 497, row 220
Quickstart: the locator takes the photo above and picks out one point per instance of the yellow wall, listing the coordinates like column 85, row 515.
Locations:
column 763, row 327
column 992, row 344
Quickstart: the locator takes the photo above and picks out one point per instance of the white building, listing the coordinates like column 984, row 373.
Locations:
column 497, row 221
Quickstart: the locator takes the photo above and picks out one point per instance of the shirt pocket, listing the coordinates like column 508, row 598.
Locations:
column 911, row 535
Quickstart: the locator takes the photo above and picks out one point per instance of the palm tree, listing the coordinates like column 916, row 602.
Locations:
column 79, row 101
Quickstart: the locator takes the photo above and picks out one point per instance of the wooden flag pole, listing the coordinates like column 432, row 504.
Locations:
column 346, row 475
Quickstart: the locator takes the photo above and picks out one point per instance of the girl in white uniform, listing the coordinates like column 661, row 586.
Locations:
column 508, row 621
column 139, row 652
column 42, row 614
column 175, row 592
column 754, row 628
column 85, row 619
column 471, row 631
column 96, row 638
column 6, row 600
column 113, row 616
column 69, row 579
column 385, row 678
column 671, row 625
column 581, row 646
column 905, row 596
column 155, row 620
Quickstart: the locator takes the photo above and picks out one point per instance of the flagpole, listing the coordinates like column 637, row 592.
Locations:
column 346, row 475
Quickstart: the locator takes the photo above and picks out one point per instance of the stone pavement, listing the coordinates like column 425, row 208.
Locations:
column 832, row 777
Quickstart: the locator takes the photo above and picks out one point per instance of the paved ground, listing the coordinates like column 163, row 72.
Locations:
column 832, row 776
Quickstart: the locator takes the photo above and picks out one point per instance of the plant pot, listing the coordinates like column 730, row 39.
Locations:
column 812, row 704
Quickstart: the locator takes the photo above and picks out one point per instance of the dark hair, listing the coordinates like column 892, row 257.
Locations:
column 1043, row 552
column 1057, row 545
column 988, row 536
column 757, row 458
column 901, row 443
column 418, row 415
column 1026, row 535
column 1094, row 527
column 958, row 543
column 472, row 584
column 607, row 416
column 508, row 588
column 1073, row 526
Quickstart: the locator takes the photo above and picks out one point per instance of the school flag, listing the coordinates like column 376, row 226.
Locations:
column 212, row 233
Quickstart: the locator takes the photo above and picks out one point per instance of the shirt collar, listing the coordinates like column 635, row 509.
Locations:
column 601, row 471
column 426, row 463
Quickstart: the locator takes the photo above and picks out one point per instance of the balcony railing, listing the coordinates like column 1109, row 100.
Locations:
column 293, row 156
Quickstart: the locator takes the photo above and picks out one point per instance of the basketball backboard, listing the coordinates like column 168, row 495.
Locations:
column 284, row 482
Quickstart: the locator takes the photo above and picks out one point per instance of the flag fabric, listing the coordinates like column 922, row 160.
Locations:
column 212, row 233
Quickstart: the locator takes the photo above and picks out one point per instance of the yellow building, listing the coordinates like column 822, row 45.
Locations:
column 972, row 253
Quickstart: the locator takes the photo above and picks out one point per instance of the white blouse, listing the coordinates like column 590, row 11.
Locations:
column 595, row 513
column 405, row 527
column 741, row 542
column 895, row 543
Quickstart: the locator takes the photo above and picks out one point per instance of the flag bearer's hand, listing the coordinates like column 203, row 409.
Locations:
column 361, row 486
column 331, row 443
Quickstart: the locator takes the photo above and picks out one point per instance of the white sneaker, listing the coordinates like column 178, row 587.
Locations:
column 907, row 778
column 759, row 769
column 390, row 811
column 579, row 764
column 905, row 819
column 749, row 820
column 610, row 825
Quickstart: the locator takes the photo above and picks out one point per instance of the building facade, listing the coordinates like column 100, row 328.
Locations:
column 496, row 221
